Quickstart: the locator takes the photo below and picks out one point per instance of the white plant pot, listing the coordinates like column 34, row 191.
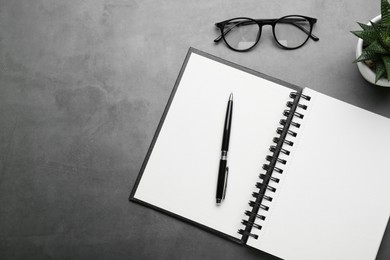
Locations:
column 366, row 72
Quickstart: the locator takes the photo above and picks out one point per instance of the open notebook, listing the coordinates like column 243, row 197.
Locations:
column 324, row 193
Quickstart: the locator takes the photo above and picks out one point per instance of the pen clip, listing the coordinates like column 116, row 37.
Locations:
column 225, row 183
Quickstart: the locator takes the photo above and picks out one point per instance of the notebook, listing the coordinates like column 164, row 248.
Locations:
column 308, row 174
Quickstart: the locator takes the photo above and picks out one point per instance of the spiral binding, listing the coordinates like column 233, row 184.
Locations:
column 264, row 184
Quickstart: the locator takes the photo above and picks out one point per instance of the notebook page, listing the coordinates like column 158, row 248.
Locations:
column 181, row 174
column 334, row 199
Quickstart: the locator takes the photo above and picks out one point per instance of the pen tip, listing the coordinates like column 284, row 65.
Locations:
column 231, row 96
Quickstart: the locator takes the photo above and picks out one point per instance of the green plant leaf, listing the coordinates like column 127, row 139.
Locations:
column 383, row 32
column 385, row 12
column 379, row 71
column 386, row 61
column 365, row 26
column 377, row 47
column 368, row 55
column 368, row 36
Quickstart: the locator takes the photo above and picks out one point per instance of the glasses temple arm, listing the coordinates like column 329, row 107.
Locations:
column 220, row 37
column 311, row 35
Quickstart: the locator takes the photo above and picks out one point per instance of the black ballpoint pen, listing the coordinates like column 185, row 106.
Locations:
column 223, row 169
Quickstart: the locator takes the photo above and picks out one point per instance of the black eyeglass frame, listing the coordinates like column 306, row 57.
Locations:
column 272, row 22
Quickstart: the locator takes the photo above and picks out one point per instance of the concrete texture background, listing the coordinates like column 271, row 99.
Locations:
column 83, row 84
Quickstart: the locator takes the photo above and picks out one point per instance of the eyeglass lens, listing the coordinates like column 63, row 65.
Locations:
column 290, row 32
column 241, row 34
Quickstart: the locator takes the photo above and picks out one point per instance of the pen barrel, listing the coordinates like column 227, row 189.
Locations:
column 227, row 126
column 221, row 179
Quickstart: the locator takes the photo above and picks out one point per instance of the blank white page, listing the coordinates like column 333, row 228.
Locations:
column 333, row 201
column 181, row 174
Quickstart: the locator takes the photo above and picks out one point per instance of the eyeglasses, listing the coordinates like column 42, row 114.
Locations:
column 290, row 32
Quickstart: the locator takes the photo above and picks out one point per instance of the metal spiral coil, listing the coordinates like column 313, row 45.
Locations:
column 266, row 179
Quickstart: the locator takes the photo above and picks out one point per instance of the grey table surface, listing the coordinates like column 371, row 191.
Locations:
column 83, row 84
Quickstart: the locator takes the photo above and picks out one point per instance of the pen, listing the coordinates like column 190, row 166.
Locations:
column 223, row 169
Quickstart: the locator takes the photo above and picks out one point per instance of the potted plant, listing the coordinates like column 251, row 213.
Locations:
column 373, row 48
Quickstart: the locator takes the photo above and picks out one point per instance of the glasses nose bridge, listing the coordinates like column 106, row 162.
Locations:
column 263, row 22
